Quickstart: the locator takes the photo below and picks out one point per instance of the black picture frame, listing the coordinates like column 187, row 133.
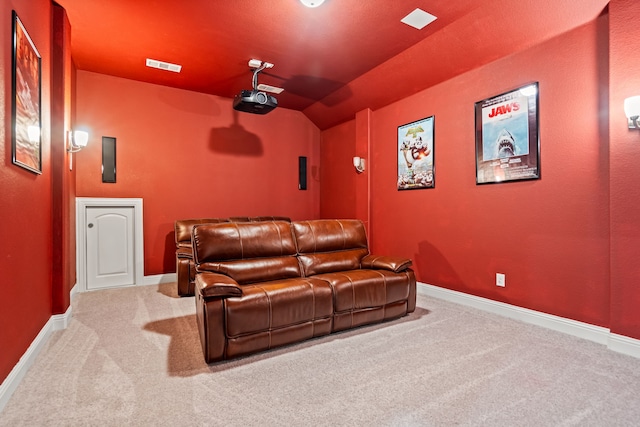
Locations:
column 507, row 136
column 108, row 159
column 416, row 155
column 26, row 110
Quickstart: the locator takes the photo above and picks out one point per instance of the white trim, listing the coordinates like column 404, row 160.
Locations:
column 598, row 334
column 10, row 384
column 549, row 321
column 74, row 291
column 160, row 278
column 624, row 345
column 61, row 321
column 81, row 225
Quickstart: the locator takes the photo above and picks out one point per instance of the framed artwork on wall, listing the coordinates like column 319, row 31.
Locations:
column 26, row 138
column 416, row 167
column 507, row 139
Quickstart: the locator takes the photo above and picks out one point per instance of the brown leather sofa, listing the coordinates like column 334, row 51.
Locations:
column 263, row 285
column 185, row 268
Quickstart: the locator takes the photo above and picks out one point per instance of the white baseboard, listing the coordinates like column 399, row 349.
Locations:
column 61, row 321
column 625, row 345
column 598, row 334
column 159, row 278
column 74, row 291
column 11, row 383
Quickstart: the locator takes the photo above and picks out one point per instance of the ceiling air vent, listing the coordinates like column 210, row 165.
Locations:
column 418, row 19
column 167, row 66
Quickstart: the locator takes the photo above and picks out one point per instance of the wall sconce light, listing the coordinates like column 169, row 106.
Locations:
column 312, row 3
column 358, row 163
column 77, row 140
column 632, row 111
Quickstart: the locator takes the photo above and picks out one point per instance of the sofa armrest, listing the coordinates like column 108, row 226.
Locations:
column 183, row 252
column 214, row 285
column 394, row 264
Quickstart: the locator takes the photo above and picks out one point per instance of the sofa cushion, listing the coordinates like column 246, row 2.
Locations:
column 326, row 246
column 278, row 304
column 239, row 219
column 258, row 218
column 183, row 229
column 329, row 262
column 364, row 289
column 183, row 226
column 269, row 218
column 247, row 252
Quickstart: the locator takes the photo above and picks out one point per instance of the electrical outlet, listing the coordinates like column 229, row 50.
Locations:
column 500, row 280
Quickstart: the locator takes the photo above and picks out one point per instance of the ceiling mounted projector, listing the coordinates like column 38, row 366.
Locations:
column 255, row 101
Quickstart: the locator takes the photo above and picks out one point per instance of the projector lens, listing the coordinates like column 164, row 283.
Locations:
column 261, row 98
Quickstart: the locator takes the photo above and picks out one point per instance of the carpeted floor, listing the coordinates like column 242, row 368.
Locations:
column 132, row 356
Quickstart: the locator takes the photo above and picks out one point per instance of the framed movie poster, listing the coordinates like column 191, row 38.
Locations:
column 26, row 146
column 415, row 155
column 507, row 140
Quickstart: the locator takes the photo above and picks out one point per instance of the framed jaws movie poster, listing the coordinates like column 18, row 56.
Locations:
column 415, row 155
column 507, row 139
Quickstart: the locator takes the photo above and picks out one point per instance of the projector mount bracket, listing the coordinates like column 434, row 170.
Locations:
column 257, row 65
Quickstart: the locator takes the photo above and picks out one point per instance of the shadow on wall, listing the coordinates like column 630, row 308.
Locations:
column 432, row 267
column 169, row 259
column 235, row 140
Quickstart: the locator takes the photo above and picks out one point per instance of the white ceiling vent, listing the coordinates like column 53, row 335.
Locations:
column 167, row 66
column 418, row 19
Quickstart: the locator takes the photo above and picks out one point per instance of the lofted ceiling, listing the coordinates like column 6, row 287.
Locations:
column 332, row 61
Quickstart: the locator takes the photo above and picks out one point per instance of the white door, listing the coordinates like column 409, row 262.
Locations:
column 110, row 247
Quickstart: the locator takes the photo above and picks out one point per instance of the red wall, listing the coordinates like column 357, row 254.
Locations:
column 625, row 178
column 338, row 176
column 63, row 180
column 549, row 236
column 567, row 242
column 25, row 201
column 190, row 155
column 345, row 193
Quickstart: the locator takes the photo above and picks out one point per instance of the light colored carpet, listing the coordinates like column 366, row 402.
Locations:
column 132, row 356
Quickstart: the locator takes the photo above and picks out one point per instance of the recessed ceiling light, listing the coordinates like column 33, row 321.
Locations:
column 167, row 66
column 418, row 19
column 312, row 3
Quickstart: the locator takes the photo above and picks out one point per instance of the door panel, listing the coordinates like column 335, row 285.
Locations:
column 110, row 247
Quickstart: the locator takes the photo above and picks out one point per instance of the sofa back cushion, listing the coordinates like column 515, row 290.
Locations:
column 248, row 252
column 259, row 218
column 183, row 229
column 330, row 245
column 183, row 226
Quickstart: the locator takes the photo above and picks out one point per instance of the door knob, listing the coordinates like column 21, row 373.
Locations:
column 90, row 225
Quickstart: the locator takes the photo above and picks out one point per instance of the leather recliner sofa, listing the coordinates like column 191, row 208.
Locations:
column 263, row 285
column 185, row 268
